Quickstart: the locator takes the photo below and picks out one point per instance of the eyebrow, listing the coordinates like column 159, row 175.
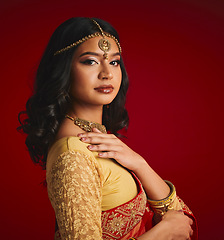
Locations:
column 96, row 54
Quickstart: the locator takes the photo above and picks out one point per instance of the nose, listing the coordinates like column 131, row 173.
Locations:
column 105, row 72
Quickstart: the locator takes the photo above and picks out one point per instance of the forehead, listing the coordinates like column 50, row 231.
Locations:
column 91, row 45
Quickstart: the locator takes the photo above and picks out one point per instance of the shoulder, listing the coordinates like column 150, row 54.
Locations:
column 69, row 154
column 66, row 129
column 70, row 157
column 65, row 145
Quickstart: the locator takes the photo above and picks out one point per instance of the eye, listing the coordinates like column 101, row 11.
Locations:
column 89, row 62
column 115, row 62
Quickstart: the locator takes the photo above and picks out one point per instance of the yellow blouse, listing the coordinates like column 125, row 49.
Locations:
column 81, row 185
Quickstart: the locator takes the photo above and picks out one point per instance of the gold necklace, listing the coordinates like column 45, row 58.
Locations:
column 87, row 125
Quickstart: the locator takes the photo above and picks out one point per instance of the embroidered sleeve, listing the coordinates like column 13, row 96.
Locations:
column 185, row 208
column 176, row 204
column 74, row 189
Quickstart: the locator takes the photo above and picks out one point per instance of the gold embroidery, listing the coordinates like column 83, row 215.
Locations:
column 74, row 189
column 184, row 206
column 121, row 220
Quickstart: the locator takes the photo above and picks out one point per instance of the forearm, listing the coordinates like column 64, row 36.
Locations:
column 109, row 146
column 174, row 225
column 153, row 184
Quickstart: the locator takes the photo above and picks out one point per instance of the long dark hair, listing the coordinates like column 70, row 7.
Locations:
column 48, row 105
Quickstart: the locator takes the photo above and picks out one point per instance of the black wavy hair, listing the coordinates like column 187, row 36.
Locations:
column 48, row 105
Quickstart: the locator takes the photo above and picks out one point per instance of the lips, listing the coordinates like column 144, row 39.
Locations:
column 104, row 89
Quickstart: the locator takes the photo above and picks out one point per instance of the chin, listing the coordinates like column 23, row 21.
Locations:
column 107, row 100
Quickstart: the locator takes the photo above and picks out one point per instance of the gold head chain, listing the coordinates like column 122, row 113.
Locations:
column 103, row 43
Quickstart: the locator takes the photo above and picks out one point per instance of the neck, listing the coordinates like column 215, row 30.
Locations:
column 93, row 113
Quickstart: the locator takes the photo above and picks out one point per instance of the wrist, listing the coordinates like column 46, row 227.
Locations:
column 139, row 165
column 165, row 204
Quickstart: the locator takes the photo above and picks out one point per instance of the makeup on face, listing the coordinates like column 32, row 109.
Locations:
column 95, row 80
column 105, row 89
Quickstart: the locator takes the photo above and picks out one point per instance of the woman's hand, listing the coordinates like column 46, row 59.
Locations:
column 109, row 146
column 178, row 224
column 174, row 226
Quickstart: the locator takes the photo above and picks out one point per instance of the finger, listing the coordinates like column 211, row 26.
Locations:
column 106, row 148
column 191, row 221
column 181, row 211
column 191, row 233
column 96, row 134
column 99, row 139
column 113, row 155
column 96, row 130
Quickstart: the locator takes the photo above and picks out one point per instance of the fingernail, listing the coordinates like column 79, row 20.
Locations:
column 90, row 147
column 83, row 139
column 79, row 134
column 100, row 154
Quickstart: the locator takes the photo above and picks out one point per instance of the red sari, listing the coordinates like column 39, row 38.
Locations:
column 133, row 218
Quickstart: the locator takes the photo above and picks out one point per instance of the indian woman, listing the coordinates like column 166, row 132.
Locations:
column 98, row 186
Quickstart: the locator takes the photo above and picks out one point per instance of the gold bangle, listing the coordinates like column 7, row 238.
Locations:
column 165, row 204
column 132, row 238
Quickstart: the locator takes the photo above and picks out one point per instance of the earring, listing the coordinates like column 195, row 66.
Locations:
column 66, row 96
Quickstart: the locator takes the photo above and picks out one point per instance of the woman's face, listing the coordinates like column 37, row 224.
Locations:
column 94, row 79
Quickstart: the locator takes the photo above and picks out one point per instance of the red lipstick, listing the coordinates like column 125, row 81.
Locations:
column 104, row 89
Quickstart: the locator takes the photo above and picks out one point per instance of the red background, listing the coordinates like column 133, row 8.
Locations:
column 173, row 52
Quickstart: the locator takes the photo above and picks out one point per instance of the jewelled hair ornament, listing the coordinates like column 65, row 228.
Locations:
column 103, row 43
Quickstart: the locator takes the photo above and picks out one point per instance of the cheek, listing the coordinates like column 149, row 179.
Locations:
column 118, row 78
column 117, row 84
column 80, row 79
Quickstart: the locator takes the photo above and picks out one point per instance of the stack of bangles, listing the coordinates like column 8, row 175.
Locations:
column 163, row 205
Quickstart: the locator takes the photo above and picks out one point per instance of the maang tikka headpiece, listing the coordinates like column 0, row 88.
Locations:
column 103, row 43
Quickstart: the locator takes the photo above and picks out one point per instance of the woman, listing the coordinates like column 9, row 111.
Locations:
column 95, row 182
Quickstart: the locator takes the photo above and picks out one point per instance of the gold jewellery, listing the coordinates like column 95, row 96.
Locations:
column 162, row 206
column 87, row 125
column 103, row 43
